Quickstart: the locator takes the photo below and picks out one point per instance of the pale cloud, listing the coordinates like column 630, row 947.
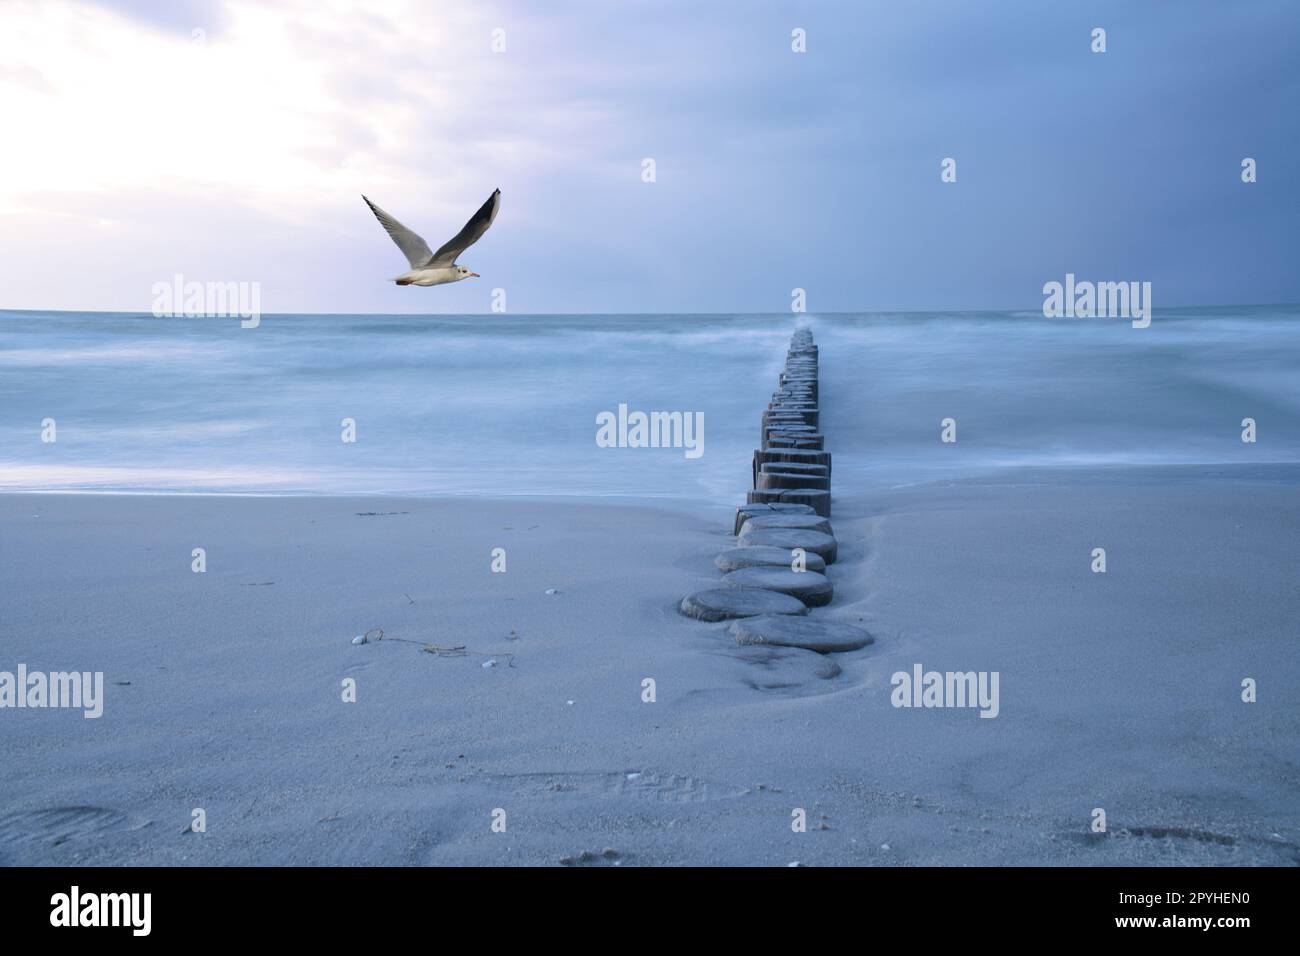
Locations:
column 258, row 119
column 278, row 104
column 137, row 150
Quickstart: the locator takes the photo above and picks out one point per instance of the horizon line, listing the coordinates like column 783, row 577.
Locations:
column 810, row 314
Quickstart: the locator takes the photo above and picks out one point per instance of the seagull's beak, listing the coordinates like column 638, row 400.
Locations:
column 475, row 275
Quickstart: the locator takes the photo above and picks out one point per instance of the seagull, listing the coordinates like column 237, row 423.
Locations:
column 437, row 268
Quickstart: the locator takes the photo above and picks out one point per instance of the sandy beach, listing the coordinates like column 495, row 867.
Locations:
column 223, row 689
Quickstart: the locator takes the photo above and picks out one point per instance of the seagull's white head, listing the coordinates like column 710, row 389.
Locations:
column 466, row 274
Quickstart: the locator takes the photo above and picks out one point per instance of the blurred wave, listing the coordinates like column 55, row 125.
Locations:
column 492, row 404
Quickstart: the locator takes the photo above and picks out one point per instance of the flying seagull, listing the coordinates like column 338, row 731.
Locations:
column 436, row 268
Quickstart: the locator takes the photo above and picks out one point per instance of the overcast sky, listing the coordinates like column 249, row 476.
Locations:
column 231, row 140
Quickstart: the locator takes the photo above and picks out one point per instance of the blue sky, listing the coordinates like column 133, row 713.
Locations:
column 230, row 141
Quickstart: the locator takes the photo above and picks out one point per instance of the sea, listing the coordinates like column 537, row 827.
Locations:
column 509, row 404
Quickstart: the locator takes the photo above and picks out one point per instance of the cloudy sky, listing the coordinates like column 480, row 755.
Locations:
column 230, row 141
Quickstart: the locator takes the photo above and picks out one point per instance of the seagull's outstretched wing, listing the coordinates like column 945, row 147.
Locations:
column 413, row 247
column 470, row 234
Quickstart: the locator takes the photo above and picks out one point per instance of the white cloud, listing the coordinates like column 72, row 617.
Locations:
column 284, row 111
column 281, row 101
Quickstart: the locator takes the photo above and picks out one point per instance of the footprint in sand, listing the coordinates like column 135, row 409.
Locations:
column 606, row 857
column 57, row 825
column 646, row 785
column 1190, row 842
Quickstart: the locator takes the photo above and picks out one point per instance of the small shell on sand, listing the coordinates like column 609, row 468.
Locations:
column 374, row 634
